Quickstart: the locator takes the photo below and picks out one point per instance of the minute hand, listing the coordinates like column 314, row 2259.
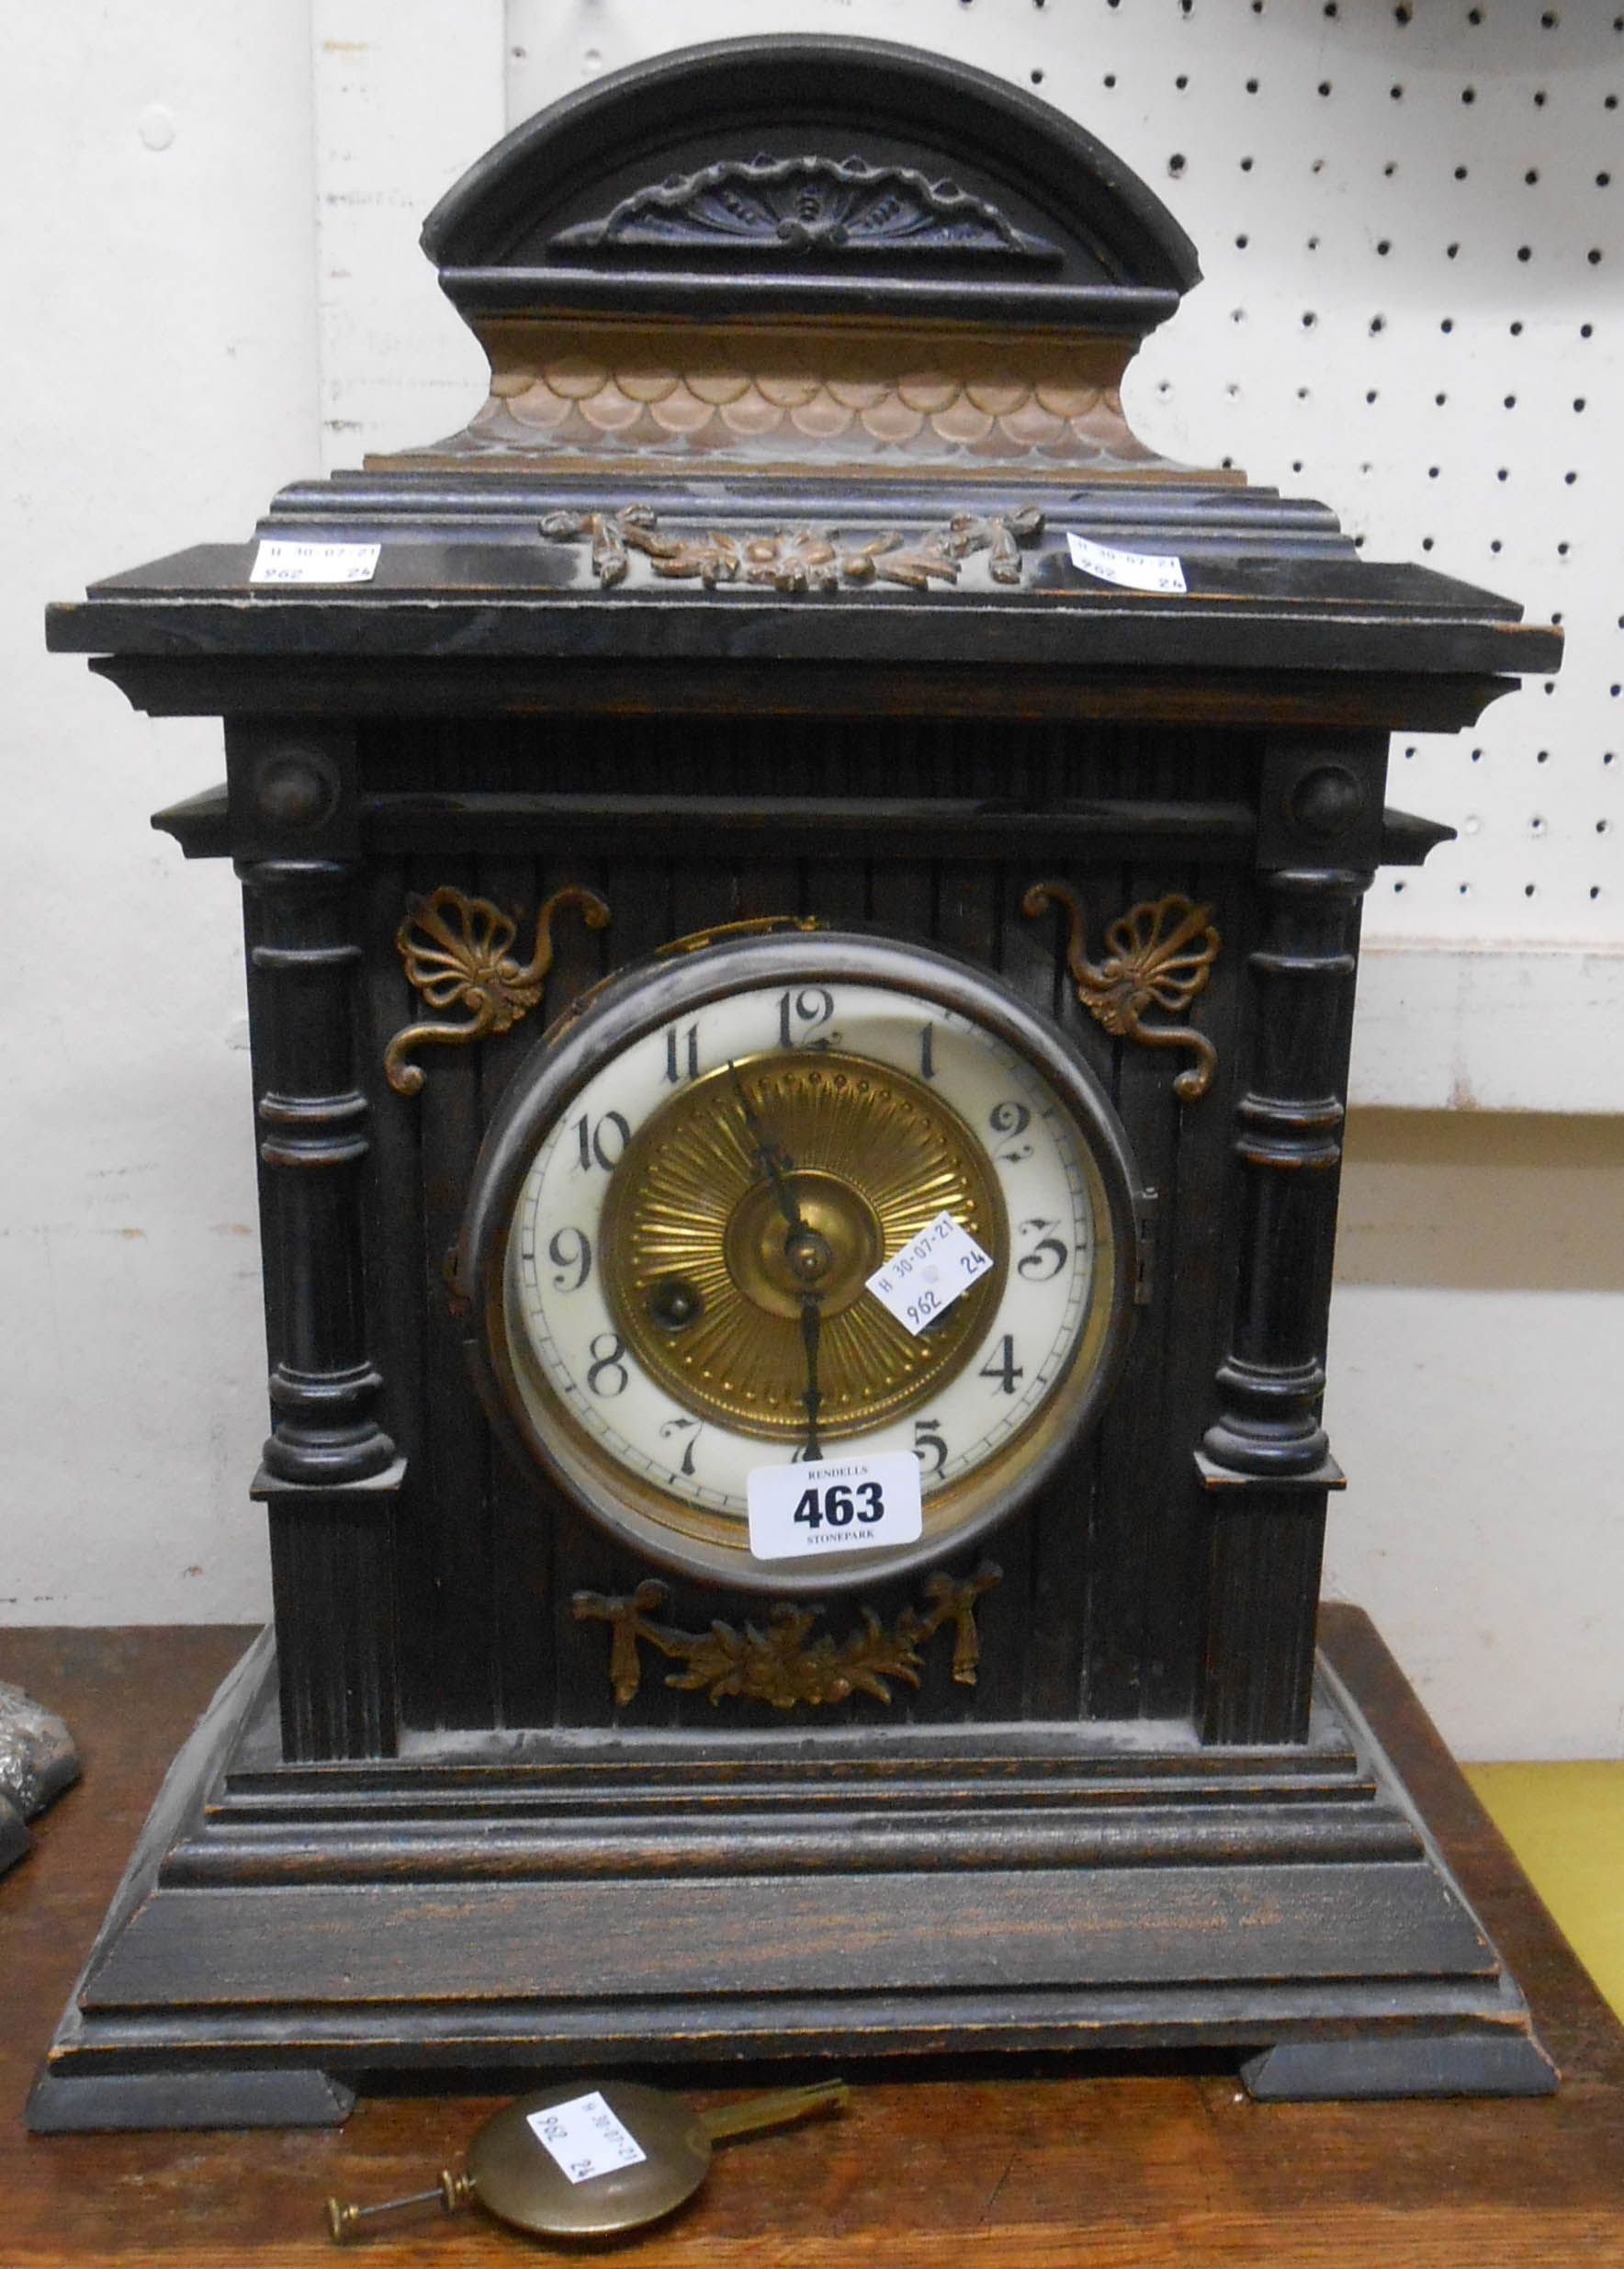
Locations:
column 811, row 1328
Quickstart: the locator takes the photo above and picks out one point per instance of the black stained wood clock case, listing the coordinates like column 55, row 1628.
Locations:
column 728, row 831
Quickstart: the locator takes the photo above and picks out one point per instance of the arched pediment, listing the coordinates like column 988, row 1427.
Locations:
column 810, row 174
column 805, row 252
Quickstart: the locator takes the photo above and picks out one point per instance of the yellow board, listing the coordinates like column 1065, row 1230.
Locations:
column 1565, row 1823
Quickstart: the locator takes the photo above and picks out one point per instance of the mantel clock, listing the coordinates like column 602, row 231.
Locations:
column 801, row 891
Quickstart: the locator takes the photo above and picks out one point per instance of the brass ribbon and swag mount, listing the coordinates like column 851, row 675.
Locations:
column 722, row 853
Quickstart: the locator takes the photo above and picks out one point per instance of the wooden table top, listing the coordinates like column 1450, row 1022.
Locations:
column 1013, row 2162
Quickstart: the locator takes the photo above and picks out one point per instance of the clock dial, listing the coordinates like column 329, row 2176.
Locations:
column 677, row 1270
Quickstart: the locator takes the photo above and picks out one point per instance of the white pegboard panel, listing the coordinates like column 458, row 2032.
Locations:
column 1408, row 220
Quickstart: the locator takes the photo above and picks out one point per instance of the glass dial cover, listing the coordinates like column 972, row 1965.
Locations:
column 728, row 1139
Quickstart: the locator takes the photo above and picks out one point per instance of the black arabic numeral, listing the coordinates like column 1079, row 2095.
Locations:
column 1004, row 1368
column 928, row 1437
column 571, row 1249
column 875, row 1507
column 807, row 1009
column 608, row 1364
column 692, row 1428
column 1033, row 1266
column 603, row 1144
column 1011, row 1118
column 682, row 1054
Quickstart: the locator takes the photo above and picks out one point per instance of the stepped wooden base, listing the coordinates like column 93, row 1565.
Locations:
column 283, row 1931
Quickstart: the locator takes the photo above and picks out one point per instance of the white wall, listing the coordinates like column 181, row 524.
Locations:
column 157, row 378
column 216, row 288
column 1477, row 1346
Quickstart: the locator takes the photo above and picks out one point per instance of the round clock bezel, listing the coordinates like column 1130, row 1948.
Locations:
column 648, row 995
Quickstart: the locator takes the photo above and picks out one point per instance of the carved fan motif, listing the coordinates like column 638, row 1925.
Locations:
column 809, row 204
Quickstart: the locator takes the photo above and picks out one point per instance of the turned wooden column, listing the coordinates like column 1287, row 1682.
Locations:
column 1265, row 1459
column 1289, row 1128
column 330, row 1476
column 312, row 1119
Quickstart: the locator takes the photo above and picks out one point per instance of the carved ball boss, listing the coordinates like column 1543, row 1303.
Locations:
column 802, row 892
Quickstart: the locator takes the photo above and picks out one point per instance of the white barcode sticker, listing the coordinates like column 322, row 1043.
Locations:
column 584, row 2138
column 1135, row 571
column 281, row 560
column 923, row 1279
column 832, row 1506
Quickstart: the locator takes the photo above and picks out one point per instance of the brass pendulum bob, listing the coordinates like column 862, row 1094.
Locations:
column 514, row 2175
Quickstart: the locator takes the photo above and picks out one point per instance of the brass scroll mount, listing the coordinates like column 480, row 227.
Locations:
column 1159, row 955
column 782, row 1665
column 802, row 558
column 457, row 952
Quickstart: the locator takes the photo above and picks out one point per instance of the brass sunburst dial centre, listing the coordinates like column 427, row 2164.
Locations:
column 839, row 1247
column 778, row 1178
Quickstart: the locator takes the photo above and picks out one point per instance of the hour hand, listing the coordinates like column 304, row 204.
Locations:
column 769, row 1154
column 805, row 1248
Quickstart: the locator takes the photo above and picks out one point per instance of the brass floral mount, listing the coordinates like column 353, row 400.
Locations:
column 1159, row 955
column 782, row 1664
column 793, row 559
column 457, row 952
